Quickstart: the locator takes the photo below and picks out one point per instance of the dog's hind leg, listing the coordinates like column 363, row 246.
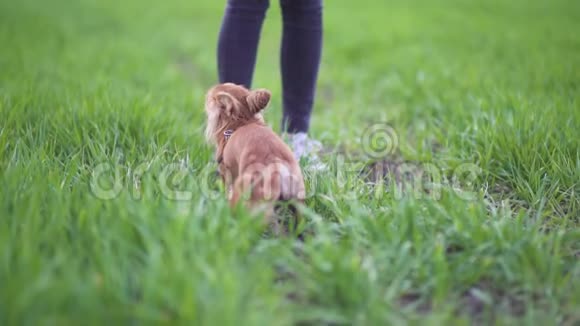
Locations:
column 267, row 210
column 248, row 189
column 288, row 211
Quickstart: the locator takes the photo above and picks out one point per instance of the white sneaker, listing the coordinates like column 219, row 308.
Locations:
column 306, row 148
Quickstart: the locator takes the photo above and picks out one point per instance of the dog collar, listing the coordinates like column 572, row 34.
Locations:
column 228, row 133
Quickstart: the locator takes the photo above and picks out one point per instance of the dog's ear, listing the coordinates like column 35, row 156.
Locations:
column 258, row 99
column 226, row 102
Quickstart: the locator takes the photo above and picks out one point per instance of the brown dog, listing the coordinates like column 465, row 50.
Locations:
column 252, row 159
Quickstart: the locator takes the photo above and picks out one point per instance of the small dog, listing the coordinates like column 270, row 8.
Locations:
column 253, row 160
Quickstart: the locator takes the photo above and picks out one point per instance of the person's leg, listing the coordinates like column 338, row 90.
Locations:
column 238, row 40
column 300, row 58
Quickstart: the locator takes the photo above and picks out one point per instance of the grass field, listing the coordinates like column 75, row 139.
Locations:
column 480, row 96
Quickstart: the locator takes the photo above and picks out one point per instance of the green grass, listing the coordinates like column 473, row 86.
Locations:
column 490, row 87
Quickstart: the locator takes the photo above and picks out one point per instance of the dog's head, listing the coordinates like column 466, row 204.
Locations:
column 230, row 105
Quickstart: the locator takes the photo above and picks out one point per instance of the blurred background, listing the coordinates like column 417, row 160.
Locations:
column 404, row 61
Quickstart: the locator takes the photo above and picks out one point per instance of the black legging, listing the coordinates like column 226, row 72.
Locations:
column 299, row 54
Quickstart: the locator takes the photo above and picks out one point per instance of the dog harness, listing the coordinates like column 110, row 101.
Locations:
column 228, row 133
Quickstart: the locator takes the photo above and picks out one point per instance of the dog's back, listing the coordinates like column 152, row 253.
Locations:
column 263, row 166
